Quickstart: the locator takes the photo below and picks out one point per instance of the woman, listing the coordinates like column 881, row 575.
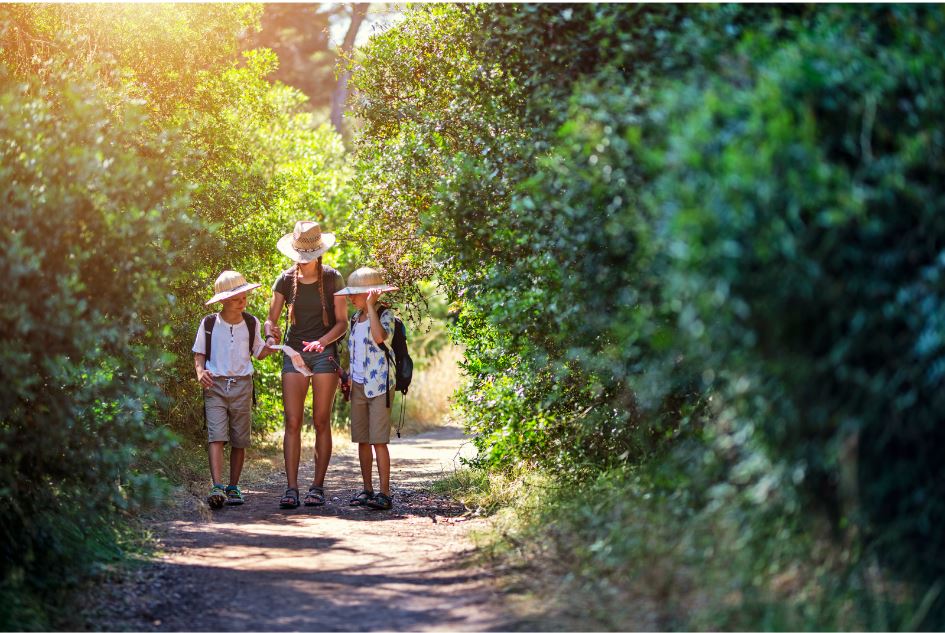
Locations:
column 316, row 319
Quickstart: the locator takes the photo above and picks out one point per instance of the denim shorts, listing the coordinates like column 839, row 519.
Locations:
column 316, row 361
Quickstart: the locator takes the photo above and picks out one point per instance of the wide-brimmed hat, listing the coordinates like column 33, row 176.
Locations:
column 306, row 243
column 228, row 284
column 364, row 280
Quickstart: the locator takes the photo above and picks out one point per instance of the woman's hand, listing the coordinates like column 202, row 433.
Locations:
column 272, row 329
column 205, row 378
column 313, row 346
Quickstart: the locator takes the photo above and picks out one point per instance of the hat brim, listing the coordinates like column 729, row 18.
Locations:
column 303, row 257
column 358, row 290
column 220, row 296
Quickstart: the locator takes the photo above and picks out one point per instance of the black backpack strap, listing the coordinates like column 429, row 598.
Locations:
column 208, row 322
column 328, row 296
column 250, row 321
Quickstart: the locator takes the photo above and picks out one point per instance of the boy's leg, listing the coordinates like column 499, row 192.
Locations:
column 241, row 425
column 237, row 457
column 216, row 461
column 383, row 467
column 323, row 396
column 366, row 459
column 294, row 390
column 218, row 428
column 361, row 433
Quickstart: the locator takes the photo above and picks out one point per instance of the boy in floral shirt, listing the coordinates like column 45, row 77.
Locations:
column 371, row 325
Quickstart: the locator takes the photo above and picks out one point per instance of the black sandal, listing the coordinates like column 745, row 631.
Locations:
column 290, row 500
column 380, row 501
column 315, row 496
column 361, row 498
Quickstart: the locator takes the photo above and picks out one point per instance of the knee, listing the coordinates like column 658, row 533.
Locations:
column 323, row 426
column 293, row 424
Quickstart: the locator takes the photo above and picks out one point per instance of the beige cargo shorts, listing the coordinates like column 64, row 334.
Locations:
column 370, row 417
column 229, row 407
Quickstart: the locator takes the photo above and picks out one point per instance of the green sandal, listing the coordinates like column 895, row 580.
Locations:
column 234, row 497
column 217, row 496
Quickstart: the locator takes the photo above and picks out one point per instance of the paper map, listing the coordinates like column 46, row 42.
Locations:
column 297, row 361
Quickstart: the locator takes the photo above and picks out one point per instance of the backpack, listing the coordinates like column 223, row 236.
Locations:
column 397, row 356
column 210, row 320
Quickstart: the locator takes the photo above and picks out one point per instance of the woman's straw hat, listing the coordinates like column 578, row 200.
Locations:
column 364, row 280
column 306, row 243
column 228, row 284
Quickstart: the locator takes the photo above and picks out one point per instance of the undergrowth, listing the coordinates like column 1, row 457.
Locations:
column 624, row 551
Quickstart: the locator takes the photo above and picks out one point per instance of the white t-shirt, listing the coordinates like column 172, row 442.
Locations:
column 359, row 332
column 229, row 353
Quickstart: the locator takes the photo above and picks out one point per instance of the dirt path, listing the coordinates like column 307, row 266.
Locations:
column 335, row 567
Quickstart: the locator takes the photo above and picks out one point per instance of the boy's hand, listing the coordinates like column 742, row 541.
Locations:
column 372, row 297
column 205, row 378
column 313, row 346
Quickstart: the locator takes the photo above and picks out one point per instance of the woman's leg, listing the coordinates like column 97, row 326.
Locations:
column 294, row 390
column 323, row 396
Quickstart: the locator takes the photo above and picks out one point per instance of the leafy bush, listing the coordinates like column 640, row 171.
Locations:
column 96, row 224
column 702, row 229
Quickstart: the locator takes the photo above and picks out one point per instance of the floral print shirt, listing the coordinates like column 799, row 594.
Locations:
column 368, row 362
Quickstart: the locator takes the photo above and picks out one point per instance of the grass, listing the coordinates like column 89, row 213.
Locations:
column 618, row 553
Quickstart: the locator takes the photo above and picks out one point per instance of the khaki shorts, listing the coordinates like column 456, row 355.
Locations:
column 229, row 407
column 370, row 417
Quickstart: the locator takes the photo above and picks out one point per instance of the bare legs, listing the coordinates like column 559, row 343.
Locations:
column 237, row 456
column 294, row 392
column 365, row 459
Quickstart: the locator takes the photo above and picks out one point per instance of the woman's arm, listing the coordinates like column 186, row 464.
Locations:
column 275, row 310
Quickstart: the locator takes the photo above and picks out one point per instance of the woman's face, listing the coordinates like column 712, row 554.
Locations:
column 309, row 268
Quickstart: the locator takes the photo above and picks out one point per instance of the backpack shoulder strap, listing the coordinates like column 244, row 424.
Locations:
column 250, row 321
column 328, row 293
column 208, row 322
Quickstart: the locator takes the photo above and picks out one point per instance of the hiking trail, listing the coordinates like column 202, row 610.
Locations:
column 334, row 567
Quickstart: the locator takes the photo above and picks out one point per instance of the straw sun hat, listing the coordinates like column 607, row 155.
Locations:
column 306, row 243
column 364, row 280
column 228, row 284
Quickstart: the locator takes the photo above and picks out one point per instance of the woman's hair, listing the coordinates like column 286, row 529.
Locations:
column 296, row 273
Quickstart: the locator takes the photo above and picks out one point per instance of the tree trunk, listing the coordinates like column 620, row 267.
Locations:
column 358, row 13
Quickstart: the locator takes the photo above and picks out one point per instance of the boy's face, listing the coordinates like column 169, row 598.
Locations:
column 359, row 301
column 236, row 303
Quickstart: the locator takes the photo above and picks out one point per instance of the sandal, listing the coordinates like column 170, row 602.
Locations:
column 290, row 500
column 315, row 496
column 361, row 498
column 380, row 501
column 217, row 496
column 234, row 497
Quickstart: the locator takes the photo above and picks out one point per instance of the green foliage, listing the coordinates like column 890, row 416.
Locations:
column 96, row 224
column 710, row 231
column 141, row 157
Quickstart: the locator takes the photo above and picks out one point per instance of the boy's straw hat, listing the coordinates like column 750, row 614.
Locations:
column 364, row 280
column 228, row 284
column 306, row 243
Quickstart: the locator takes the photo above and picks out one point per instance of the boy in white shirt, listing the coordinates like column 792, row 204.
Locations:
column 223, row 350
